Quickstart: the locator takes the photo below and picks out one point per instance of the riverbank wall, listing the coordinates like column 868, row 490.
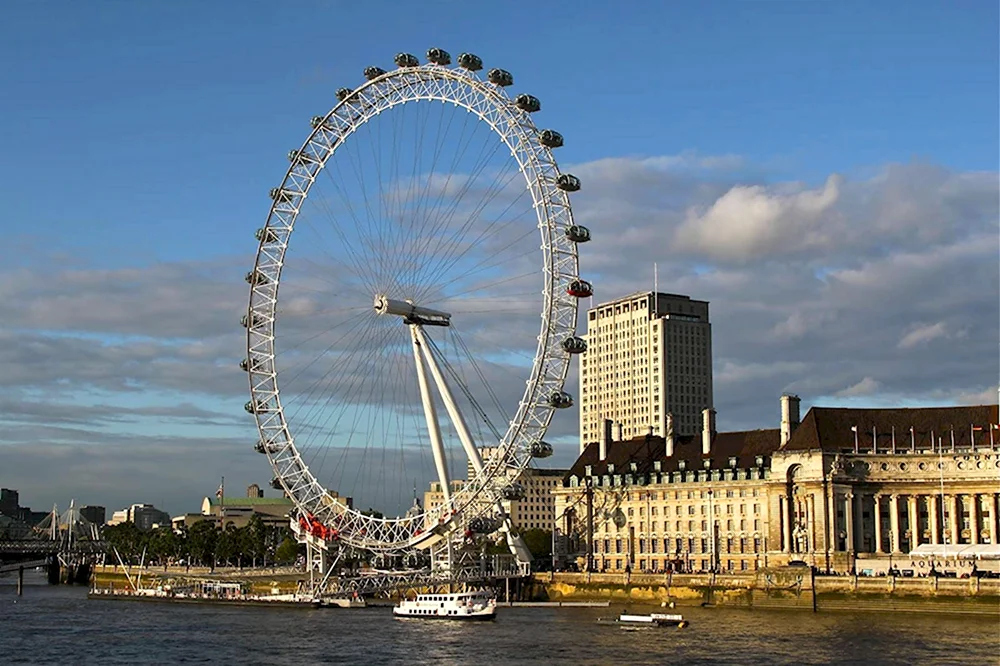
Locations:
column 788, row 588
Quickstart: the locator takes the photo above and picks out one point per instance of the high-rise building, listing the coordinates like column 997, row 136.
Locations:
column 9, row 502
column 94, row 514
column 648, row 355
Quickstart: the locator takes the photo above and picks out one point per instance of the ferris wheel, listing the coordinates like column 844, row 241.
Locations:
column 433, row 226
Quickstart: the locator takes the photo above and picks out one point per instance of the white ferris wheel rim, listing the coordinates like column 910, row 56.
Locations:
column 492, row 106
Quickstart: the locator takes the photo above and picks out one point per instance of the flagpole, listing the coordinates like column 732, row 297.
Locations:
column 913, row 440
column 953, row 439
column 222, row 505
column 855, row 429
column 972, row 437
column 874, row 440
column 893, row 440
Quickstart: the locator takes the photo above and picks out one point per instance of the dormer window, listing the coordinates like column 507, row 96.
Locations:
column 732, row 461
column 633, row 466
column 588, row 470
column 681, row 464
column 759, row 460
column 611, row 468
column 657, row 466
column 707, row 463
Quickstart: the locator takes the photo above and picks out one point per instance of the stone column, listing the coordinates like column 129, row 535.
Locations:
column 894, row 521
column 811, row 521
column 974, row 518
column 878, row 523
column 849, row 519
column 859, row 522
column 932, row 516
column 786, row 524
column 994, row 519
column 831, row 515
column 956, row 505
column 914, row 521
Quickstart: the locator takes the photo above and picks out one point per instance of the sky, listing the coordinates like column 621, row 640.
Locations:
column 825, row 174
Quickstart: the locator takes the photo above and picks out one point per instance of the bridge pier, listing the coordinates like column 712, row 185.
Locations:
column 20, row 581
column 53, row 570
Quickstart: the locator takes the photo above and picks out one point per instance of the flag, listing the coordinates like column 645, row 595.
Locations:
column 854, row 428
column 977, row 428
column 218, row 493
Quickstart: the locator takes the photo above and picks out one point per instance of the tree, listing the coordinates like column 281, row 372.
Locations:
column 256, row 540
column 128, row 540
column 539, row 542
column 287, row 551
column 202, row 539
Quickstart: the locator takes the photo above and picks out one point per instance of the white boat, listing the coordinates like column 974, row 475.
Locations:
column 455, row 606
column 650, row 620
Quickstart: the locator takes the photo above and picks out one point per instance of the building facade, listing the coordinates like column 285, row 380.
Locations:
column 144, row 516
column 842, row 485
column 94, row 513
column 648, row 355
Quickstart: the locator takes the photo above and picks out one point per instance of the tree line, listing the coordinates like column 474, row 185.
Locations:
column 202, row 544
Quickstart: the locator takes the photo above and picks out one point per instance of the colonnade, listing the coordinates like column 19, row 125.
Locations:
column 944, row 522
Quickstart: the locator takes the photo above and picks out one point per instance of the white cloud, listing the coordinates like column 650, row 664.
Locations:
column 866, row 386
column 924, row 334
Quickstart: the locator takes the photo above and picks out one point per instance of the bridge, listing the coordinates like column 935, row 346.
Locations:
column 67, row 544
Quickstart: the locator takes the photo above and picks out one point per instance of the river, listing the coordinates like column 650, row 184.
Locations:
column 59, row 625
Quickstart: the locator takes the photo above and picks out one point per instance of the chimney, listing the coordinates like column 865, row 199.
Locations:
column 708, row 429
column 670, row 434
column 619, row 430
column 789, row 416
column 605, row 438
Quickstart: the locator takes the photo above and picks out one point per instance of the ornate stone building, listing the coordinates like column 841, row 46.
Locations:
column 842, row 484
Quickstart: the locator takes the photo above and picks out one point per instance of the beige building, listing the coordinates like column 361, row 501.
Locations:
column 648, row 354
column 841, row 485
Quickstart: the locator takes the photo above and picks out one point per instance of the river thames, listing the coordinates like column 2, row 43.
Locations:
column 59, row 625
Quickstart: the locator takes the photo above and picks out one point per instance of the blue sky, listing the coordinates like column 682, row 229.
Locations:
column 141, row 139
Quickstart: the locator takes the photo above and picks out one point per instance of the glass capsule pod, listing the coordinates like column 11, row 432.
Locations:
column 245, row 365
column 373, row 72
column 567, row 182
column 500, row 77
column 574, row 345
column 343, row 93
column 406, row 60
column 256, row 278
column 438, row 56
column 551, row 138
column 252, row 409
column 580, row 289
column 280, row 195
column 483, row 525
column 528, row 103
column 470, row 61
column 270, row 447
column 560, row 400
column 320, row 121
column 514, row 491
column 578, row 233
column 266, row 235
column 245, row 321
column 276, row 483
column 541, row 449
column 297, row 156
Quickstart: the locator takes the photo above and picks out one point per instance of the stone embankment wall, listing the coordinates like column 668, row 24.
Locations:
column 778, row 588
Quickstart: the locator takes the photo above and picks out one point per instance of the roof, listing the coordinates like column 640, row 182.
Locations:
column 830, row 428
column 644, row 450
column 252, row 501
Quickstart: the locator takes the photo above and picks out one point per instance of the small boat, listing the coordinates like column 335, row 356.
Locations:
column 454, row 606
column 629, row 620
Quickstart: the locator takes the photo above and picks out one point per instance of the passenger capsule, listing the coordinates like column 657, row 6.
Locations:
column 580, row 289
column 574, row 345
column 514, row 491
column 300, row 157
column 439, row 56
column 560, row 400
column 527, row 103
column 470, row 61
column 256, row 278
column 406, row 60
column 578, row 234
column 483, row 525
column 373, row 72
column 266, row 235
column 245, row 365
column 320, row 121
column 343, row 93
column 276, row 483
column 551, row 138
column 541, row 449
column 500, row 77
column 280, row 195
column 567, row 182
column 249, row 407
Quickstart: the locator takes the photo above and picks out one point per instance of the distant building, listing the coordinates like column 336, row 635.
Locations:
column 253, row 490
column 9, row 503
column 273, row 511
column 94, row 514
column 144, row 516
column 434, row 497
column 648, row 355
column 840, row 487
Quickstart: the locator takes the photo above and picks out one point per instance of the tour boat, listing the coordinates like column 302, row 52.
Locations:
column 455, row 606
column 650, row 620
